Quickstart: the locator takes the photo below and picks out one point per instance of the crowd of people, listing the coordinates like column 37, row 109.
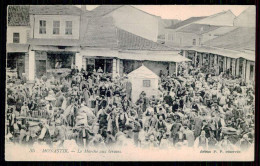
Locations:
column 195, row 109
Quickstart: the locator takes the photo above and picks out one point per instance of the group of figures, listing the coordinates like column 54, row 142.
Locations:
column 195, row 109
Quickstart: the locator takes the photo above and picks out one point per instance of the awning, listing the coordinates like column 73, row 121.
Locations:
column 224, row 52
column 106, row 53
column 13, row 47
column 247, row 56
column 218, row 51
column 153, row 57
column 55, row 48
column 53, row 42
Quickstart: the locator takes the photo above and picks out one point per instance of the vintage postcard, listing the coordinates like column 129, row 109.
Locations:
column 130, row 83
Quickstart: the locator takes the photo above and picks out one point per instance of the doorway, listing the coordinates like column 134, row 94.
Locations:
column 40, row 68
column 99, row 63
column 20, row 67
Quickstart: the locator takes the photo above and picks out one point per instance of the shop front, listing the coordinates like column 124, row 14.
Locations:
column 50, row 62
column 15, row 64
column 105, row 64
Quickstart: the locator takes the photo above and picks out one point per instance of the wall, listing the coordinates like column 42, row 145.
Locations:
column 137, row 88
column 22, row 30
column 246, row 18
column 181, row 38
column 156, row 66
column 137, row 22
column 130, row 65
column 35, row 22
column 225, row 19
column 216, row 33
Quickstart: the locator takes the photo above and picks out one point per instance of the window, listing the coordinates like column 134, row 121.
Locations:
column 42, row 29
column 199, row 41
column 146, row 83
column 56, row 27
column 194, row 42
column 68, row 30
column 16, row 38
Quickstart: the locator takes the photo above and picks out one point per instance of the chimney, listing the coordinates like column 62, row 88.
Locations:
column 83, row 7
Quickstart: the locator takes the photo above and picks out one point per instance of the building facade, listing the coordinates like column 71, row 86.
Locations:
column 54, row 39
column 17, row 48
column 193, row 31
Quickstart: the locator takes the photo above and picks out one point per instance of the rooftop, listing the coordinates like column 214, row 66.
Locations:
column 18, row 15
column 198, row 28
column 103, row 10
column 129, row 41
column 100, row 32
column 143, row 72
column 240, row 39
column 185, row 22
column 55, row 10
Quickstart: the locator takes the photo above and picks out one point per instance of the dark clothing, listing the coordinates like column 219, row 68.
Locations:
column 168, row 100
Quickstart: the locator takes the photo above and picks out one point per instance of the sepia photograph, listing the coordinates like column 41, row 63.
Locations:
column 130, row 83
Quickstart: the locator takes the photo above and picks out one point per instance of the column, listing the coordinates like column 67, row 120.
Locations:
column 117, row 66
column 185, row 53
column 84, row 63
column 176, row 69
column 244, row 69
column 233, row 67
column 201, row 59
column 217, row 59
column 210, row 64
column 31, row 71
column 228, row 63
column 195, row 58
column 114, row 68
column 248, row 71
column 225, row 64
column 26, row 64
column 78, row 60
column 171, row 68
column 121, row 67
column 237, row 66
column 214, row 59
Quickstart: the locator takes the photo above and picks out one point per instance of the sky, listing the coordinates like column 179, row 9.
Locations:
column 183, row 12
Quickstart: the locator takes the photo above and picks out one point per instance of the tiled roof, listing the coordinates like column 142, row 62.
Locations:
column 198, row 28
column 98, row 32
column 55, row 10
column 18, row 15
column 103, row 10
column 240, row 39
column 185, row 22
column 129, row 41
